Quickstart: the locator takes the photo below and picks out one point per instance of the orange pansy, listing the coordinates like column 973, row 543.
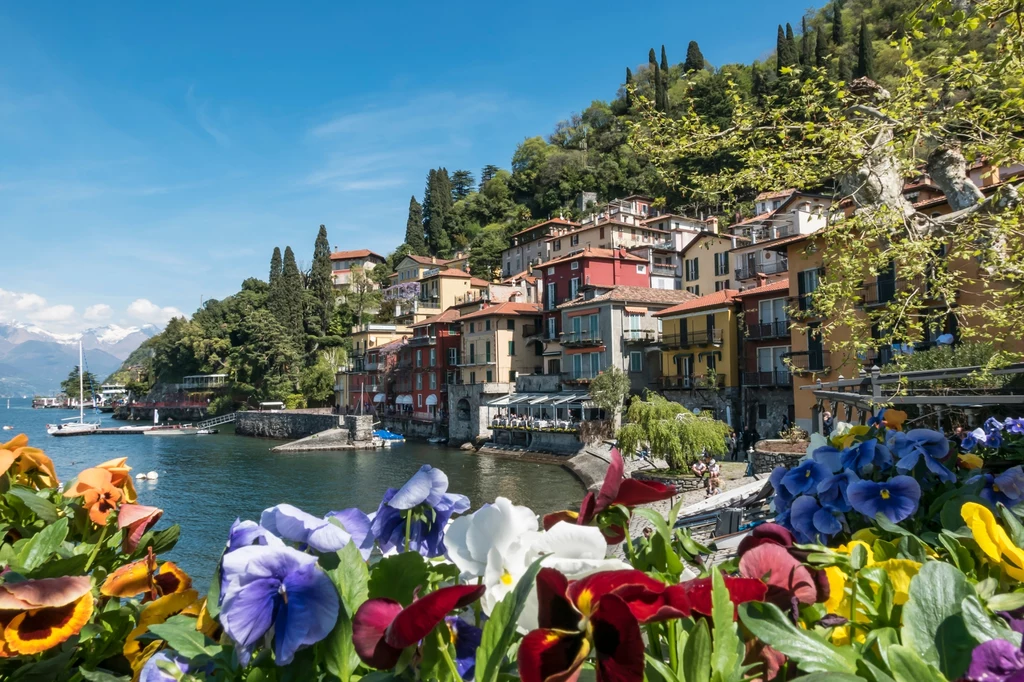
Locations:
column 28, row 466
column 120, row 477
column 34, row 631
column 143, row 576
column 95, row 487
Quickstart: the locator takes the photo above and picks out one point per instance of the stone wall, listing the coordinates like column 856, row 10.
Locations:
column 283, row 424
column 537, row 441
column 359, row 427
column 724, row 402
column 538, row 383
column 467, row 407
column 778, row 403
column 410, row 428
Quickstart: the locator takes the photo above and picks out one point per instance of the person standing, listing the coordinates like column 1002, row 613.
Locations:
column 827, row 424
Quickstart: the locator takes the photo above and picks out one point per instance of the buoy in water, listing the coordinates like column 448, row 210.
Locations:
column 152, row 475
column 8, row 428
column 140, row 477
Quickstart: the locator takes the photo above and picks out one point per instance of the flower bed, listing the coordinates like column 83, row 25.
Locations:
column 921, row 581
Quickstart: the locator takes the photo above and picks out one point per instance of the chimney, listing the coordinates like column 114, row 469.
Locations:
column 762, row 280
column 433, row 259
column 713, row 222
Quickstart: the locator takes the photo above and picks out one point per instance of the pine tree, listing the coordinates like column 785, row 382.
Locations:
column 845, row 72
column 629, row 84
column 664, row 80
column 694, row 58
column 462, row 184
column 414, row 228
column 439, row 220
column 320, row 281
column 805, row 43
column 821, row 50
column 865, row 54
column 792, row 54
column 275, row 266
column 780, row 50
column 487, row 173
column 837, row 23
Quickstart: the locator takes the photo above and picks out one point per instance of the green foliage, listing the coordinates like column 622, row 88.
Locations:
column 414, row 228
column 317, row 383
column 275, row 266
column 437, row 213
column 609, row 391
column 865, row 54
column 694, row 58
column 668, row 430
column 70, row 387
column 294, row 401
column 321, row 283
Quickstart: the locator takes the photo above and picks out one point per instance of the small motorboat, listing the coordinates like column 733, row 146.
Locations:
column 388, row 436
column 206, row 432
column 172, row 431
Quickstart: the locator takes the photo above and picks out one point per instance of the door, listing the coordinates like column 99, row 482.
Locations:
column 765, row 365
column 595, row 327
column 551, row 328
column 886, row 284
column 577, row 366
column 577, row 328
column 551, row 296
column 751, row 264
column 815, row 351
column 781, row 377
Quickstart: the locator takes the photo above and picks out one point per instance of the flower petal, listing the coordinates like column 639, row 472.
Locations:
column 612, row 482
column 417, row 620
column 368, row 627
column 309, row 614
column 617, row 642
column 741, row 590
column 32, row 632
column 43, row 592
column 551, row 656
column 137, row 519
column 566, row 515
column 555, row 609
column 427, row 486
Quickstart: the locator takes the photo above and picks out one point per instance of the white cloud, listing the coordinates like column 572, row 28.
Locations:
column 29, row 302
column 100, row 311
column 147, row 311
column 54, row 313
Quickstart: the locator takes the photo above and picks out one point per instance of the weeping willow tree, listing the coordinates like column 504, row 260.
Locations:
column 668, row 430
column 957, row 108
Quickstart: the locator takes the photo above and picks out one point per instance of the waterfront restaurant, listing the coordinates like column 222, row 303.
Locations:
column 541, row 421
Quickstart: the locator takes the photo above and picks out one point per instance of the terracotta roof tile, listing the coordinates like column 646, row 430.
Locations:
column 358, row 253
column 477, row 282
column 765, row 196
column 524, row 275
column 427, row 260
column 629, row 294
column 449, row 315
column 590, row 252
column 716, row 300
column 507, row 308
column 553, row 221
column 450, row 272
column 781, row 285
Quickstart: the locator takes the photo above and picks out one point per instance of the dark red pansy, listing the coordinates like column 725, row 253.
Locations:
column 787, row 578
column 559, row 516
column 382, row 629
column 741, row 590
column 551, row 656
column 770, row 533
column 648, row 599
column 618, row 645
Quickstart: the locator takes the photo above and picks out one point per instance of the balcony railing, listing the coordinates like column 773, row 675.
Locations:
column 584, row 377
column 663, row 270
column 811, row 361
column 639, row 336
column 582, row 339
column 688, row 381
column 767, row 268
column 474, row 360
column 712, row 337
column 679, row 382
column 425, row 340
column 768, row 330
column 778, row 377
column 429, row 301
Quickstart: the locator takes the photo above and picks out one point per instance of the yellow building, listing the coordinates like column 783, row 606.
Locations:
column 700, row 354
column 439, row 289
column 357, row 375
column 495, row 343
column 707, row 262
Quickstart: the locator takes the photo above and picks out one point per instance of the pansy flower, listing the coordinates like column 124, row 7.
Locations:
column 832, row 491
column 996, row 660
column 179, row 667
column 789, row 582
column 382, row 629
column 897, row 498
column 135, row 520
column 993, row 540
column 782, row 498
column 812, row 522
column 424, row 497
column 28, row 466
column 969, row 461
column 99, row 495
column 466, row 638
column 246, row 533
column 1014, row 425
column 146, row 576
column 866, row 456
column 1006, row 488
column 323, row 535
column 980, row 436
column 805, row 477
column 917, row 445
column 120, row 477
column 138, row 651
column 37, row 615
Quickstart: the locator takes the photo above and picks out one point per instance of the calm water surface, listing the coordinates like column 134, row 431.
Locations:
column 207, row 481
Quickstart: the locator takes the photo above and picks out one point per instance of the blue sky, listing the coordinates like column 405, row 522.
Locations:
column 153, row 154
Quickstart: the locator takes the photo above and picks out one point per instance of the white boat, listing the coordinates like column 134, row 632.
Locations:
column 171, row 431
column 206, row 432
column 76, row 426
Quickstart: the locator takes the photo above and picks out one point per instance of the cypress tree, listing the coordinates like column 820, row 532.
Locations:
column 439, row 220
column 428, row 202
column 821, row 50
column 792, row 54
column 837, row 23
column 845, row 72
column 865, row 54
column 694, row 58
column 414, row 228
column 780, row 50
column 275, row 266
column 805, row 44
column 656, row 76
column 320, row 282
column 629, row 84
column 664, row 80
column 291, row 289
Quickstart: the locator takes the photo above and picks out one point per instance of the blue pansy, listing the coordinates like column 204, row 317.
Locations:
column 897, row 498
column 866, row 456
column 832, row 491
column 921, row 444
column 829, row 456
column 993, row 425
column 467, row 640
column 805, row 477
column 1007, row 488
column 811, row 522
column 1014, row 425
column 782, row 497
column 425, row 498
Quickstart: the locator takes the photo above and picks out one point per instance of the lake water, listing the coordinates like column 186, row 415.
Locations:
column 207, row 481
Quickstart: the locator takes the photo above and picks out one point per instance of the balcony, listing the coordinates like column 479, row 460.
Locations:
column 811, row 362
column 425, row 340
column 711, row 337
column 476, row 360
column 768, row 330
column 802, row 307
column 881, row 292
column 584, row 377
column 778, row 377
column 639, row 336
column 583, row 339
column 679, row 382
column 473, row 297
column 663, row 270
column 768, row 268
column 429, row 301
column 692, row 381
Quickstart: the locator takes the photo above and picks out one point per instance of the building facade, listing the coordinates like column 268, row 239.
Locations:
column 343, row 262
column 766, row 398
column 529, row 246
column 498, row 342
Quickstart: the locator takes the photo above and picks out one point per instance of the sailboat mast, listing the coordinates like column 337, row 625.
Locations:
column 81, row 385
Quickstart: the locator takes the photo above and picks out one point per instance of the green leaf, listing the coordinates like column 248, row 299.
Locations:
column 500, row 628
column 885, row 524
column 906, row 666
column 55, row 568
column 40, row 506
column 660, row 669
column 41, row 546
column 727, row 650
column 397, row 577
column 811, row 653
column 697, row 656
column 181, row 635
column 1013, row 524
column 213, row 593
column 165, row 540
column 984, row 627
column 101, row 676
column 351, row 578
column 933, row 625
column 831, row 677
column 1006, row 602
column 657, row 519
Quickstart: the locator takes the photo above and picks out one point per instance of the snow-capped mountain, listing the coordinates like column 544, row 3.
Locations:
column 33, row 359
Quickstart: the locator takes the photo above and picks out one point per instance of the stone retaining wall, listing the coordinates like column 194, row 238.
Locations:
column 410, row 428
column 283, row 424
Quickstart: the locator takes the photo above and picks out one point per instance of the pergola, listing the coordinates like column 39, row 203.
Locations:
column 564, row 406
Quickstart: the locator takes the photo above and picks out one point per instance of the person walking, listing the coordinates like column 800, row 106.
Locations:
column 827, row 424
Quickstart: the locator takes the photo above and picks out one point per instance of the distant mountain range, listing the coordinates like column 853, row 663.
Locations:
column 35, row 361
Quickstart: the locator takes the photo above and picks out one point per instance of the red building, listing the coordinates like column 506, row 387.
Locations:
column 433, row 353
column 767, row 393
column 563, row 277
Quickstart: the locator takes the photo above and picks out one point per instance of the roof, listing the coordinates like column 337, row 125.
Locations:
column 427, row 260
column 507, row 308
column 718, row 299
column 553, row 221
column 780, row 194
column 758, row 218
column 477, row 282
column 450, row 272
column 390, row 347
column 672, row 215
column 524, row 275
column 605, row 223
column 772, row 243
column 358, row 253
column 727, row 237
column 449, row 315
column 781, row 285
column 591, row 252
column 629, row 294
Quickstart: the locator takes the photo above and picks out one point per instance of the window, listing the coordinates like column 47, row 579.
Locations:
column 574, row 240
column 552, row 328
column 574, row 287
column 762, row 411
column 636, row 361
column 490, row 376
column 595, row 326
column 419, row 400
column 641, row 269
column 453, row 356
column 472, row 327
column 601, row 233
column 433, row 357
column 472, row 377
column 551, row 271
column 577, row 366
column 511, row 326
column 595, row 364
column 472, row 353
column 552, row 301
column 711, row 362
column 433, row 381
column 419, row 382
column 695, row 290
column 721, row 285
column 575, row 265
column 776, row 204
column 487, row 325
column 487, row 352
column 511, row 348
column 721, row 264
column 692, row 269
column 419, row 358
column 557, row 246
column 772, row 310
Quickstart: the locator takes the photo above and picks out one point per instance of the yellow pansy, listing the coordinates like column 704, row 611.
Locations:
column 850, row 437
column 848, row 549
column 866, row 535
column 993, row 540
column 900, row 572
column 970, row 461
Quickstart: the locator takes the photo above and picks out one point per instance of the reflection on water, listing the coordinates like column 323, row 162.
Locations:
column 207, row 481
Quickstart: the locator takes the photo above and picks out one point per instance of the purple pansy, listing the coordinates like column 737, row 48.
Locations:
column 1014, row 425
column 358, row 525
column 829, row 456
column 275, row 587
column 1006, row 488
column 805, row 477
column 921, row 444
column 425, row 498
column 811, row 522
column 782, row 498
column 980, row 436
column 832, row 491
column 245, row 533
column 897, row 498
column 996, row 661
column 294, row 525
column 866, row 456
column 160, row 667
column 993, row 425
column 467, row 640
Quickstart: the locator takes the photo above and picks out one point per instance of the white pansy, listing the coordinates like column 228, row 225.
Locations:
column 472, row 538
column 817, row 441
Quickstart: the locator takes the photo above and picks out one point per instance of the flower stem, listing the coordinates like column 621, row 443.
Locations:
column 673, row 655
column 96, row 549
column 654, row 639
column 448, row 657
column 408, row 528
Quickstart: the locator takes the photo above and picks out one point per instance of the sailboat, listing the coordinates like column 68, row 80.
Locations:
column 76, row 426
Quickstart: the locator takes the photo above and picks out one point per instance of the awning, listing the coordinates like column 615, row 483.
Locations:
column 562, row 398
column 634, row 309
column 431, row 400
column 379, row 398
column 404, row 400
